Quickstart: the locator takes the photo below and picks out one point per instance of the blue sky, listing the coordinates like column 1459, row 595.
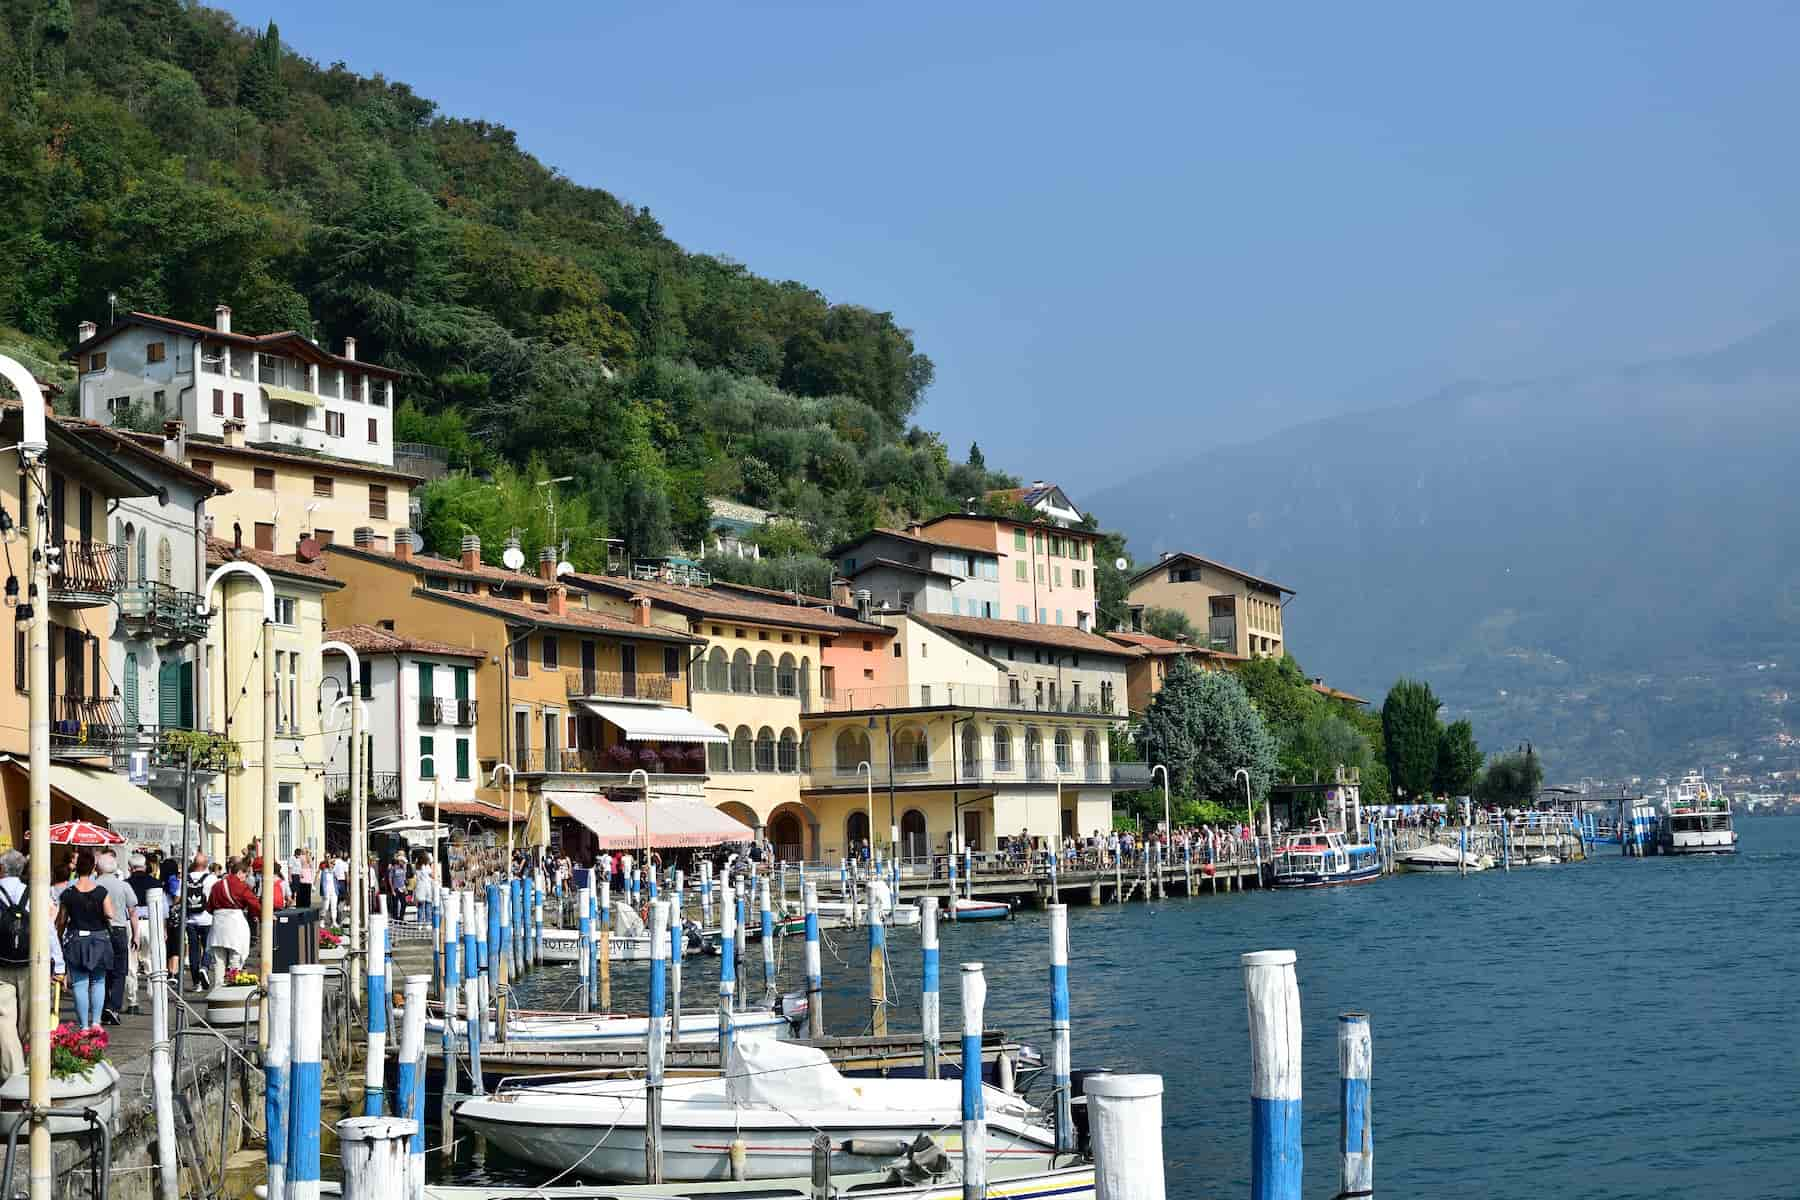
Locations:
column 1129, row 233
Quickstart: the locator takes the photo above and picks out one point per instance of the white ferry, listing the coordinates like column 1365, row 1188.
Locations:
column 1696, row 821
column 1320, row 857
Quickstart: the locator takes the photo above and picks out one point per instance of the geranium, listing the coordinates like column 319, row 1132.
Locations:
column 73, row 1052
column 241, row 978
column 329, row 940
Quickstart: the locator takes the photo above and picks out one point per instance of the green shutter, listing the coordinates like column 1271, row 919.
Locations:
column 168, row 695
column 131, row 690
column 187, row 695
column 461, row 675
column 427, row 765
column 462, row 758
column 425, row 684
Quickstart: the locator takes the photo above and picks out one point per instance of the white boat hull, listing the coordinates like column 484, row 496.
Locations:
column 1062, row 1183
column 563, row 946
column 698, row 1028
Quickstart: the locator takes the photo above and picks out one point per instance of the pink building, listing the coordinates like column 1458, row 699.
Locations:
column 1046, row 570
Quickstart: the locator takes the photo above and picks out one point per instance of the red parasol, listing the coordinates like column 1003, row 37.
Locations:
column 83, row 833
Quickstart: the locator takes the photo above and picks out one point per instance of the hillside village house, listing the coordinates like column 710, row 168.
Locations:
column 974, row 729
column 1145, row 677
column 1046, row 498
column 905, row 569
column 1237, row 613
column 302, row 438
column 572, row 699
column 1046, row 570
column 234, row 694
column 731, row 527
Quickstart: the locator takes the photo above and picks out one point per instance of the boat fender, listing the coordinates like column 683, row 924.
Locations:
column 740, row 1160
column 877, row 1148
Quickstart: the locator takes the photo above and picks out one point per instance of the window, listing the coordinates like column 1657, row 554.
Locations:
column 1059, row 619
column 740, row 749
column 325, row 537
column 368, row 680
column 1012, row 689
column 896, row 647
column 671, row 663
column 284, row 610
column 1019, row 570
column 265, row 478
column 925, row 695
column 237, row 405
column 155, row 352
column 849, row 566
column 765, row 749
column 427, row 680
column 1018, row 539
column 97, row 361
column 378, row 501
column 550, row 653
column 718, row 754
column 265, row 535
column 1042, row 613
column 955, row 606
column 334, row 424
column 202, row 466
column 1056, row 577
column 322, row 485
column 379, row 393
column 1003, row 744
column 1024, row 613
column 462, row 758
column 1062, row 749
column 521, row 662
column 218, row 402
column 787, row 752
column 1077, row 578
column 374, row 436
column 1040, row 572
column 906, row 600
column 427, row 758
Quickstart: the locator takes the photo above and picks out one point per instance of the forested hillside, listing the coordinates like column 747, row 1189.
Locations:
column 165, row 155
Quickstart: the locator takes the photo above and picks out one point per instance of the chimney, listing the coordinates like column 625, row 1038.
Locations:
column 864, row 602
column 403, row 544
column 222, row 318
column 237, row 536
column 363, row 537
column 350, row 348
column 840, row 592
column 547, row 562
column 175, row 440
column 913, row 528
column 471, row 552
column 1166, row 556
column 559, row 601
column 234, row 433
column 84, row 331
column 640, row 611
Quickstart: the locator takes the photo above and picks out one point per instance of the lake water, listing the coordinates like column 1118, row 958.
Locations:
column 1616, row 1028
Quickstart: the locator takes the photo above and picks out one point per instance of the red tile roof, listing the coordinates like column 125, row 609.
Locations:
column 206, row 446
column 574, row 618
column 1334, row 694
column 1163, row 563
column 1062, row 637
column 709, row 603
column 146, row 446
column 1157, row 645
column 432, row 564
column 220, row 552
column 372, row 639
column 286, row 338
column 904, row 535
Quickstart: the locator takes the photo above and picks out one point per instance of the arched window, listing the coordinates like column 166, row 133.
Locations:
column 165, row 562
column 1062, row 750
column 126, row 534
column 765, row 674
column 852, row 748
column 856, row 831
column 765, row 749
column 143, row 556
column 805, row 678
column 912, row 752
column 971, row 753
column 915, row 842
column 740, row 749
column 1034, row 753
column 718, row 671
column 787, row 677
column 1090, row 753
column 787, row 752
column 740, row 671
column 718, row 754
column 1003, row 747
column 131, row 691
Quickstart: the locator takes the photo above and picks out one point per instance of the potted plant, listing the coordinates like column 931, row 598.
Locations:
column 331, row 945
column 80, row 1077
column 231, row 1002
column 620, row 758
column 649, row 759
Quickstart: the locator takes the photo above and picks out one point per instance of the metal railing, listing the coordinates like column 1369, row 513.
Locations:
column 383, row 785
column 850, row 700
column 442, row 710
column 167, row 746
column 87, row 569
column 84, row 726
column 162, row 610
column 964, row 769
column 619, row 685
column 601, row 762
column 421, row 459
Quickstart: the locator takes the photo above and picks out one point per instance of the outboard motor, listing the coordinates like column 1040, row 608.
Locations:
column 1078, row 1106
column 793, row 1007
column 696, row 940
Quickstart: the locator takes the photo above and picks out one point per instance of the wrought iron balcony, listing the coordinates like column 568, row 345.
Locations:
column 168, row 747
column 441, row 710
column 382, row 786
column 84, row 726
column 618, row 685
column 162, row 612
column 87, row 574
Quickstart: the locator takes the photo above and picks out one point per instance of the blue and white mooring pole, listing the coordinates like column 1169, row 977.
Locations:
column 706, row 886
column 974, row 1107
column 494, row 947
column 306, row 1081
column 768, row 938
column 377, row 1015
column 595, row 941
column 742, row 960
column 727, row 970
column 969, row 871
column 877, row 960
column 952, row 904
column 409, row 1076
column 450, row 909
column 653, row 1072
column 471, row 966
column 584, row 940
column 675, row 949
column 277, row 1083
column 1274, row 999
column 1356, row 1129
column 1059, row 1027
column 815, row 980
column 929, row 1012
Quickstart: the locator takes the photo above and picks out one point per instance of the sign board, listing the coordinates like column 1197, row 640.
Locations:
column 139, row 772
column 1162, row 827
column 215, row 808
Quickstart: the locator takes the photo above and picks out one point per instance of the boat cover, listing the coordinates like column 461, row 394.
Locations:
column 626, row 922
column 786, row 1075
column 1435, row 853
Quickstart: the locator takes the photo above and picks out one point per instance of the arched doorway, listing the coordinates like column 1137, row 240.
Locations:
column 788, row 837
column 915, row 843
column 856, row 833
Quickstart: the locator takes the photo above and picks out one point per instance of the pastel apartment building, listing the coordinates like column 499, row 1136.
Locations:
column 1236, row 613
column 1046, row 569
column 911, row 570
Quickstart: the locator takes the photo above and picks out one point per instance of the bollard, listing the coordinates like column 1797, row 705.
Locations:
column 1356, row 1129
column 602, row 952
column 409, row 1078
column 514, row 932
column 727, row 972
column 974, row 1110
column 502, row 897
column 950, row 904
column 969, row 872
column 742, row 959
column 1274, row 1001
column 491, row 950
column 653, row 1072
column 815, row 982
column 471, row 965
column 537, row 922
column 1059, row 1027
column 584, row 940
column 452, row 909
column 374, row 1156
column 928, row 1000
column 377, row 1011
column 706, row 886
column 1125, row 1123
column 675, row 951
column 768, row 940
column 276, row 1093
column 877, row 961
column 306, row 1077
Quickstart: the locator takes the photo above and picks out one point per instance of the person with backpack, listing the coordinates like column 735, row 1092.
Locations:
column 15, row 939
column 194, row 896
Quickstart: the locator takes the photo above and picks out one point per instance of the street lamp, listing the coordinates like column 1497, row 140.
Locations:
column 1249, row 804
column 1168, row 821
column 635, row 772
column 359, row 809
column 865, row 768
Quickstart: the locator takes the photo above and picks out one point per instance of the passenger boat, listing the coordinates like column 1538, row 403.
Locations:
column 1696, row 821
column 699, row 1027
column 774, row 1099
column 1319, row 857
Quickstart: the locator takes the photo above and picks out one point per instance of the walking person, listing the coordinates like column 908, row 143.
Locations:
column 303, row 878
column 196, row 890
column 396, row 888
column 122, row 917
column 15, row 942
column 85, row 919
column 328, row 891
column 231, row 903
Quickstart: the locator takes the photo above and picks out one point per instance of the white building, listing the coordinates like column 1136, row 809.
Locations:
column 1046, row 498
column 912, row 571
column 287, row 390
column 421, row 719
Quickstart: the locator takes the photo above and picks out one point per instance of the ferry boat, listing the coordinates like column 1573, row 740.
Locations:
column 1320, row 857
column 1696, row 821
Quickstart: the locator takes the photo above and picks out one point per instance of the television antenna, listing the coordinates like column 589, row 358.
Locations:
column 550, row 501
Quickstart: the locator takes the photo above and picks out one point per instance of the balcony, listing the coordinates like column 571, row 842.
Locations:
column 617, row 762
column 422, row 459
column 160, row 611
column 382, row 786
column 618, row 685
column 965, row 771
column 87, row 575
column 851, row 700
column 1131, row 775
column 167, row 747
column 441, row 710
column 84, row 726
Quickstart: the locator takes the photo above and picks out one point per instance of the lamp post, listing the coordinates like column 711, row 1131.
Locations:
column 1249, row 804
column 359, row 812
column 505, row 879
column 1168, row 821
column 635, row 772
column 865, row 768
column 266, row 922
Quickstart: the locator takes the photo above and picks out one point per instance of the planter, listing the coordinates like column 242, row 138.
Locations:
column 333, row 954
column 232, row 1006
column 98, row 1089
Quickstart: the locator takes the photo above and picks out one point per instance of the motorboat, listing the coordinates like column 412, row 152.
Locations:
column 563, row 945
column 698, row 1028
column 1438, row 858
column 1320, row 857
column 966, row 909
column 773, row 1099
column 1075, row 1182
column 1696, row 821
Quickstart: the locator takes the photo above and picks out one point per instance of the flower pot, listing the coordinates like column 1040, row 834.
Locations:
column 231, row 1005
column 98, row 1090
column 333, row 954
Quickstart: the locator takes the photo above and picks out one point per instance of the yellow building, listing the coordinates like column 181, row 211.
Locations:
column 1235, row 613
column 1145, row 677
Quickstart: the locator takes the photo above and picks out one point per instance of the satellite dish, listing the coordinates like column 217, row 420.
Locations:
column 309, row 550
column 1121, row 563
column 564, row 568
column 418, row 543
column 514, row 558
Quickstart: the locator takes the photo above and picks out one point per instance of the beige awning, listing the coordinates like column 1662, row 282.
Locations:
column 291, row 395
column 133, row 813
column 652, row 723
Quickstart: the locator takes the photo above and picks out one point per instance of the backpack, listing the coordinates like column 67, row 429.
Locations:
column 15, row 933
column 196, row 894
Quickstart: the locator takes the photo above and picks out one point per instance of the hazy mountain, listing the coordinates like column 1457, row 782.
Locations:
column 1605, row 563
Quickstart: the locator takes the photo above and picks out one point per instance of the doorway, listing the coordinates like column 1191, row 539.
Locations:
column 972, row 830
column 628, row 670
column 913, row 840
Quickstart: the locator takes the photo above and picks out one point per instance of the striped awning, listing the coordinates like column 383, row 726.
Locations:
column 613, row 828
column 685, row 824
column 655, row 723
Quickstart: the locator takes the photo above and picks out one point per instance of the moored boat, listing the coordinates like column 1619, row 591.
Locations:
column 1320, row 857
column 563, row 1028
column 1438, row 858
column 981, row 910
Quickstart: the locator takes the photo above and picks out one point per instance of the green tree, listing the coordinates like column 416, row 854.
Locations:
column 1511, row 780
column 1169, row 623
column 1202, row 726
column 1410, row 732
column 260, row 88
column 1459, row 760
column 1324, row 742
column 976, row 458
